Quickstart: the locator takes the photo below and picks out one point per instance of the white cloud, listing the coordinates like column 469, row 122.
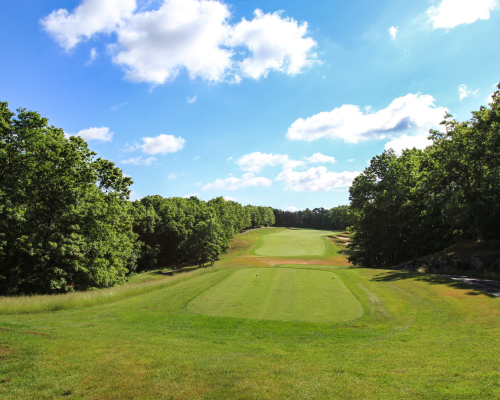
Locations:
column 187, row 196
column 393, row 30
column 191, row 100
column 315, row 179
column 139, row 161
column 399, row 144
column 131, row 147
column 255, row 161
column 410, row 113
column 294, row 164
column 350, row 160
column 275, row 43
column 233, row 183
column 93, row 56
column 162, row 144
column 171, row 176
column 194, row 36
column 91, row 17
column 101, row 133
column 197, row 158
column 451, row 13
column 319, row 158
column 115, row 108
column 292, row 208
column 464, row 92
column 198, row 184
column 229, row 198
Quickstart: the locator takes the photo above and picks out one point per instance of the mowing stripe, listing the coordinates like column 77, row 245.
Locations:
column 279, row 294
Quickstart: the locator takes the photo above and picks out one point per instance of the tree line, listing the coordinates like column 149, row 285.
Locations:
column 422, row 201
column 66, row 222
column 319, row 218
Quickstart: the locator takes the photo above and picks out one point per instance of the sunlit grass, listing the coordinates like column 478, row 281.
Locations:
column 420, row 336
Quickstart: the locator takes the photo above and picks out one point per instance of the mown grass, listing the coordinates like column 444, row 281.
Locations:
column 303, row 242
column 419, row 337
column 285, row 294
column 142, row 283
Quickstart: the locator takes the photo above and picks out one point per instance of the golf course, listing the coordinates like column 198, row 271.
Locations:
column 283, row 315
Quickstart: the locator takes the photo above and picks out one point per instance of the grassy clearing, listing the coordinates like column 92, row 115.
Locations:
column 420, row 336
column 140, row 284
column 279, row 294
column 292, row 243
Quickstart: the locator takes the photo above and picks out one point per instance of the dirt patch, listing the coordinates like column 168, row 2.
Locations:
column 277, row 261
column 34, row 333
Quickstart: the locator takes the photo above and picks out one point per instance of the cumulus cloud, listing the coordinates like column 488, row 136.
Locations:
column 229, row 198
column 171, row 176
column 91, row 17
column 162, row 144
column 399, row 144
column 191, row 100
column 315, row 179
column 139, row 161
column 255, row 161
column 194, row 36
column 292, row 208
column 101, row 133
column 319, row 158
column 463, row 92
column 393, row 30
column 451, row 13
column 233, row 183
column 350, row 160
column 411, row 113
column 275, row 43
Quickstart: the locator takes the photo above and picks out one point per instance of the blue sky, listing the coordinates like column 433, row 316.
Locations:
column 275, row 103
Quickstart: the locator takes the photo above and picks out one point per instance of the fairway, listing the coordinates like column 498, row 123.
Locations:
column 284, row 294
column 247, row 329
column 291, row 243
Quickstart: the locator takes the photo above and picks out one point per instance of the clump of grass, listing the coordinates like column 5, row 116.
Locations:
column 56, row 302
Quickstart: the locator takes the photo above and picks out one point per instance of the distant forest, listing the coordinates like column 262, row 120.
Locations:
column 318, row 218
column 423, row 201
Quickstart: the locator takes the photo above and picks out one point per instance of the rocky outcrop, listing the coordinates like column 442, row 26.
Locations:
column 442, row 265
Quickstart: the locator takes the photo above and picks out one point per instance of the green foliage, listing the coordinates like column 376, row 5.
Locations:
column 174, row 231
column 318, row 218
column 65, row 223
column 424, row 201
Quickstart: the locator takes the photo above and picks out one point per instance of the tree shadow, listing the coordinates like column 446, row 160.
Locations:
column 433, row 280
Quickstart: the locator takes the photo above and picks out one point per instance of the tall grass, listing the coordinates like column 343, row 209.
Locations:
column 56, row 302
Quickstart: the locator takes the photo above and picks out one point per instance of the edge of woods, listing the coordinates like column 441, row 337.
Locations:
column 139, row 284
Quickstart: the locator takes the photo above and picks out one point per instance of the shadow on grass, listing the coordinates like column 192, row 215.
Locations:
column 433, row 280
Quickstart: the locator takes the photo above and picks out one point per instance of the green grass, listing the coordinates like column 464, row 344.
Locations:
column 279, row 294
column 292, row 243
column 419, row 337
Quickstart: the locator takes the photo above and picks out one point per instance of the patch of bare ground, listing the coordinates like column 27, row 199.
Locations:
column 486, row 250
column 340, row 261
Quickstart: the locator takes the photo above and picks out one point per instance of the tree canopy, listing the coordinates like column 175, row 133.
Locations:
column 66, row 222
column 422, row 201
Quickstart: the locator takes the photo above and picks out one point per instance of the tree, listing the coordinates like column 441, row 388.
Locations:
column 65, row 223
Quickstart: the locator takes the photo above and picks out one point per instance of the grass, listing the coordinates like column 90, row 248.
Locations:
column 292, row 243
column 419, row 337
column 279, row 294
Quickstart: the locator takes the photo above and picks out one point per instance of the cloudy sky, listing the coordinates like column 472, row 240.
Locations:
column 276, row 103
